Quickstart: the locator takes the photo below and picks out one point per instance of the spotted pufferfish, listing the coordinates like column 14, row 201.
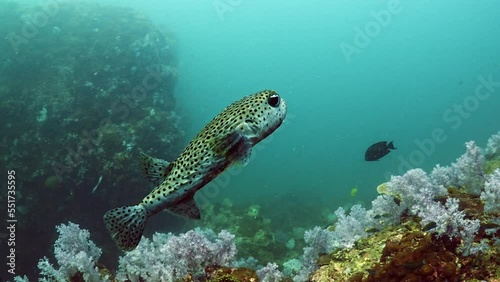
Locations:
column 226, row 140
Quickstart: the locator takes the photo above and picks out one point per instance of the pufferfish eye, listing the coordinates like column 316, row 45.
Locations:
column 273, row 100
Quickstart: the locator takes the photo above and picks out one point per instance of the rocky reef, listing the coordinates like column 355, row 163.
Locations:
column 463, row 247
column 84, row 88
column 408, row 252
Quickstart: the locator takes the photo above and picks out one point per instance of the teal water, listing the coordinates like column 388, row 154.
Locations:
column 424, row 74
column 401, row 86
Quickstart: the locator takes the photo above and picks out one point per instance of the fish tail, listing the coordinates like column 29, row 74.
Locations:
column 391, row 145
column 126, row 225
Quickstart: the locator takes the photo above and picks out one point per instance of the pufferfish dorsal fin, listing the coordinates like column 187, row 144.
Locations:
column 155, row 169
column 187, row 207
column 235, row 147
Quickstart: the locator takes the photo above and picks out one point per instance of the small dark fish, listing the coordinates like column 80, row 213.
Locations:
column 489, row 225
column 371, row 271
column 382, row 215
column 429, row 226
column 414, row 264
column 397, row 200
column 371, row 230
column 378, row 150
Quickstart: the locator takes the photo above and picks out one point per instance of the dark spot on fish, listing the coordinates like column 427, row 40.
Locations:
column 378, row 150
column 429, row 226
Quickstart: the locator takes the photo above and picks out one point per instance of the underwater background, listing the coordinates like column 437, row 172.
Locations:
column 423, row 74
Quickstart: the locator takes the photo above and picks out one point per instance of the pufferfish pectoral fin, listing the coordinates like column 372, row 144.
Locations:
column 187, row 208
column 155, row 169
column 235, row 147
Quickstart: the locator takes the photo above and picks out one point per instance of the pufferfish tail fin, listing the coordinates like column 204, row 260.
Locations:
column 126, row 225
